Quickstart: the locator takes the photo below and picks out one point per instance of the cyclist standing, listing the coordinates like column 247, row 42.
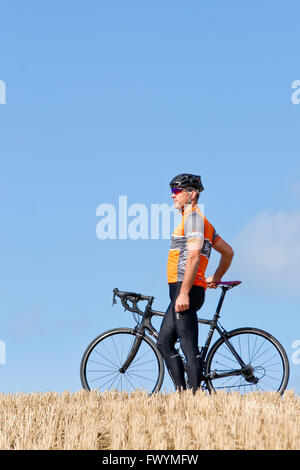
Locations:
column 191, row 244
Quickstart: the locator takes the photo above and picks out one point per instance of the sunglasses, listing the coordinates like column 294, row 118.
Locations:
column 177, row 190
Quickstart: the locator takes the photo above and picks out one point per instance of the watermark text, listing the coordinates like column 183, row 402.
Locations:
column 296, row 353
column 2, row 353
column 296, row 94
column 137, row 221
column 151, row 459
column 2, row 92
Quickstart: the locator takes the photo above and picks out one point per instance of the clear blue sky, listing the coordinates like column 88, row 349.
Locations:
column 115, row 98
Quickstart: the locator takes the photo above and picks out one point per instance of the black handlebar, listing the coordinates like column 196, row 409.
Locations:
column 134, row 298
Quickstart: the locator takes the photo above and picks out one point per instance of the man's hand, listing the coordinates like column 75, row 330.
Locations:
column 226, row 257
column 182, row 302
column 211, row 281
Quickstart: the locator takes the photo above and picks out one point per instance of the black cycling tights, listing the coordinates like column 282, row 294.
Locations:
column 182, row 326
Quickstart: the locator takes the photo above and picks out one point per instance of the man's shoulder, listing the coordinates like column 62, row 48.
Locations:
column 197, row 213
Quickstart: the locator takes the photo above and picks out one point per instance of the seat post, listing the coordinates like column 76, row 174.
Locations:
column 221, row 300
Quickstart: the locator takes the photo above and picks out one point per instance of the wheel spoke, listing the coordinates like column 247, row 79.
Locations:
column 103, row 376
column 108, row 360
column 140, row 376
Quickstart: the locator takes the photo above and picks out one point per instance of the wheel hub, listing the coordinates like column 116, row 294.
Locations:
column 249, row 375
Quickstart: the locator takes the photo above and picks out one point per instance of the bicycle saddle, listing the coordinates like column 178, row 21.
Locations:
column 229, row 284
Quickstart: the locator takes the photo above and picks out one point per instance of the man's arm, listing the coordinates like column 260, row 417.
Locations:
column 194, row 232
column 227, row 254
column 191, row 269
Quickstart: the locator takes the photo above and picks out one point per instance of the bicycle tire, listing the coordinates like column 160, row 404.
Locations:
column 112, row 348
column 267, row 353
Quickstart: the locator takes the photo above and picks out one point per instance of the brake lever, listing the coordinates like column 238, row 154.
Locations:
column 114, row 300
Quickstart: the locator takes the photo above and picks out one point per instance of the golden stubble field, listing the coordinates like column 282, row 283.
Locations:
column 110, row 420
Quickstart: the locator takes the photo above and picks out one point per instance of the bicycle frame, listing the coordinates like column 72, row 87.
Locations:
column 146, row 325
column 214, row 325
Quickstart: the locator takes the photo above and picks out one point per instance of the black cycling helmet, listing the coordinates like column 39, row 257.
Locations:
column 186, row 180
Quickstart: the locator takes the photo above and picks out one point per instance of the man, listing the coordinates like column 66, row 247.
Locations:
column 191, row 244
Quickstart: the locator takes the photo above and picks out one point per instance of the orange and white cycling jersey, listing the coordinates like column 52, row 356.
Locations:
column 194, row 227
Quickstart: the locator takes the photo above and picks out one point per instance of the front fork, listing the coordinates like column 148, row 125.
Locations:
column 139, row 333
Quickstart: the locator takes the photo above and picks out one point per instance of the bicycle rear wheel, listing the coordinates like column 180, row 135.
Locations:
column 264, row 356
column 101, row 364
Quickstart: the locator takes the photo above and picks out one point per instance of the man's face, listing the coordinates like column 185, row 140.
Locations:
column 180, row 199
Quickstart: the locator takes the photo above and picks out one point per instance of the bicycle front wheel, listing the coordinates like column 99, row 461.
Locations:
column 102, row 363
column 267, row 365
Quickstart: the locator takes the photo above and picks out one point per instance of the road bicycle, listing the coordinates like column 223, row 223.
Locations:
column 244, row 359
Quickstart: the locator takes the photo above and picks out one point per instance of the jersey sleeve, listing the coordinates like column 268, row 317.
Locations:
column 194, row 231
column 215, row 237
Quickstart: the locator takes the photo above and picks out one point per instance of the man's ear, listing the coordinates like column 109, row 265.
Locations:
column 194, row 194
